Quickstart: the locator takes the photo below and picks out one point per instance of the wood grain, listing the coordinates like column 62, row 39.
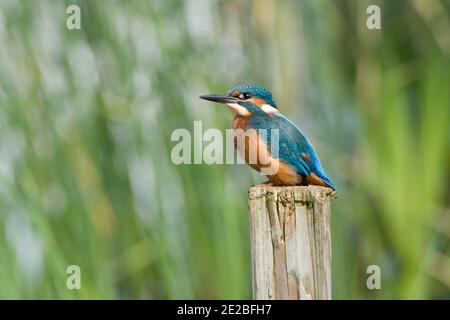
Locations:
column 290, row 242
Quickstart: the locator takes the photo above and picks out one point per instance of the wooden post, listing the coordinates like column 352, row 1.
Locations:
column 290, row 242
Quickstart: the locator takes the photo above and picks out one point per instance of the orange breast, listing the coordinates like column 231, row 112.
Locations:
column 286, row 176
column 256, row 154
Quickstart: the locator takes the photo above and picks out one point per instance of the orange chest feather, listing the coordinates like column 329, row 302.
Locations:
column 256, row 153
column 247, row 142
column 240, row 122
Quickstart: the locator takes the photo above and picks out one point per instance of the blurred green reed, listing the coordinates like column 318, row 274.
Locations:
column 86, row 118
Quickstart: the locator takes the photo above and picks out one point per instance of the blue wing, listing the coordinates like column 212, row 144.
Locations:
column 294, row 147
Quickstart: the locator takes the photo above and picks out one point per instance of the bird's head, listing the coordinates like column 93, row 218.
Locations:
column 246, row 99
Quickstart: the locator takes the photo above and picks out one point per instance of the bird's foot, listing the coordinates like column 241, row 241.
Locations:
column 268, row 183
column 265, row 184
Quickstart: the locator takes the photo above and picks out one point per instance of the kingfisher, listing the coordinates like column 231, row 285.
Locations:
column 255, row 111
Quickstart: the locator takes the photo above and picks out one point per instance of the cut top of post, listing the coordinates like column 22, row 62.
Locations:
column 296, row 193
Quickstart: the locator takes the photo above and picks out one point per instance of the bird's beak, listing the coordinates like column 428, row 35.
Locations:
column 219, row 98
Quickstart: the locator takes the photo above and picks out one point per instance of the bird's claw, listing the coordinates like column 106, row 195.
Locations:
column 265, row 184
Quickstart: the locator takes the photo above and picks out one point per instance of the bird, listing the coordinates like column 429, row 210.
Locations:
column 254, row 110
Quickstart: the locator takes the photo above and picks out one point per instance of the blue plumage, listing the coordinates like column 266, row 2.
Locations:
column 292, row 144
column 256, row 105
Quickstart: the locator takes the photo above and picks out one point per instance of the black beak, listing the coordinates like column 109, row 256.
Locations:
column 219, row 98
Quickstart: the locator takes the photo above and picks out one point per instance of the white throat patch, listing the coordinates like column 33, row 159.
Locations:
column 240, row 110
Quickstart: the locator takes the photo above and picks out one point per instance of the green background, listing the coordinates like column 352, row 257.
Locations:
column 86, row 118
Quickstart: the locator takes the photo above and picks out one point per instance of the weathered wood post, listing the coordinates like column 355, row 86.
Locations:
column 290, row 242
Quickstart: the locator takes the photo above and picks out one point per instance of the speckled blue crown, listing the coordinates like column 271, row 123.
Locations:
column 255, row 91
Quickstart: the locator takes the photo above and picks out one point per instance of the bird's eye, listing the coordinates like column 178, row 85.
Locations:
column 244, row 96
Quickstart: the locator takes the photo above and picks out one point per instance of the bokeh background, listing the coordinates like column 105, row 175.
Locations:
column 86, row 118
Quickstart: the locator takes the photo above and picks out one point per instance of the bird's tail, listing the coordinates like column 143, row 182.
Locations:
column 325, row 179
